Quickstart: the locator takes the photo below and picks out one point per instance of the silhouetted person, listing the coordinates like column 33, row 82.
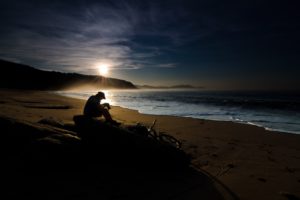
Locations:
column 93, row 108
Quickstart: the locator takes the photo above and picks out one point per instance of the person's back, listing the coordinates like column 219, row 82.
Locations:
column 91, row 107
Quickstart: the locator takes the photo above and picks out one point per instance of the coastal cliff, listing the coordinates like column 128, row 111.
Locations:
column 19, row 76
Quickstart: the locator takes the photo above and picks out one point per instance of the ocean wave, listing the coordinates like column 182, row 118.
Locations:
column 275, row 122
column 273, row 112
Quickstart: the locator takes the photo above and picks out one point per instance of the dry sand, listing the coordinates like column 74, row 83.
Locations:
column 245, row 161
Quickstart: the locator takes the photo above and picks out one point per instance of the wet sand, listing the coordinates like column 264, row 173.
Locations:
column 242, row 161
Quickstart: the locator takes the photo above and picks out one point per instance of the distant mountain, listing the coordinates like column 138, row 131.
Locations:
column 168, row 87
column 19, row 76
column 182, row 86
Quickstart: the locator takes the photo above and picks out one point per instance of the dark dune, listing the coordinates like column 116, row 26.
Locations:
column 122, row 145
column 42, row 161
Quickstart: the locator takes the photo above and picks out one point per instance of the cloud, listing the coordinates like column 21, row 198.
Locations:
column 52, row 39
column 54, row 36
column 74, row 35
column 167, row 65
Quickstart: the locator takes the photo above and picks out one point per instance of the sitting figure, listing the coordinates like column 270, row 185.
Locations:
column 93, row 108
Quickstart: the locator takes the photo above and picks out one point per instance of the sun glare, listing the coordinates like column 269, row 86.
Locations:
column 103, row 69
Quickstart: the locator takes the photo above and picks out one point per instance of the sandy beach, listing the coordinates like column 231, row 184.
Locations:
column 239, row 161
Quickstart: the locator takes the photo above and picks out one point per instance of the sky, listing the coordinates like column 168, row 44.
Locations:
column 215, row 44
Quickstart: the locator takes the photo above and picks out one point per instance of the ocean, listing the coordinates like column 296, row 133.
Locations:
column 273, row 111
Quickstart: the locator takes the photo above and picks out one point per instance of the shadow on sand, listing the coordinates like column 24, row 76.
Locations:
column 45, row 162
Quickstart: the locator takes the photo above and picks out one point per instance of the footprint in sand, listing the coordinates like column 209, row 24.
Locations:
column 192, row 146
column 214, row 155
column 289, row 196
column 210, row 147
column 271, row 159
column 289, row 169
column 232, row 143
column 232, row 148
column 262, row 180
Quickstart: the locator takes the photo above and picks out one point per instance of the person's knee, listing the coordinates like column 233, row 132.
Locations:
column 106, row 112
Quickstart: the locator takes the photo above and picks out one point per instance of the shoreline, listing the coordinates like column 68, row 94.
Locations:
column 252, row 162
column 230, row 119
column 215, row 120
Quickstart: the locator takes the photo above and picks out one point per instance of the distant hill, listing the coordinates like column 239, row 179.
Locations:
column 19, row 76
column 168, row 87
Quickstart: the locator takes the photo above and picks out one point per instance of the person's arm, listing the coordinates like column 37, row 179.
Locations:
column 106, row 105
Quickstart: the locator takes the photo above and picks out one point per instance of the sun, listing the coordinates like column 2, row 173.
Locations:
column 103, row 69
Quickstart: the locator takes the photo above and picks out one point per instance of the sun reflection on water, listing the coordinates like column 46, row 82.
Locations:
column 109, row 97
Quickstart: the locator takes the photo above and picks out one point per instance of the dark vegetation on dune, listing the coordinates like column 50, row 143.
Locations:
column 112, row 144
column 92, row 160
column 19, row 76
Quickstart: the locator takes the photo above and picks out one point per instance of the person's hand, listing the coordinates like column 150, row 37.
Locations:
column 106, row 105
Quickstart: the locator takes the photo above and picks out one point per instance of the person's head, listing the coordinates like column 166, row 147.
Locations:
column 101, row 95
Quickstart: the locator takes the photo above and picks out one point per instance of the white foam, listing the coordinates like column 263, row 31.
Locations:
column 178, row 104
